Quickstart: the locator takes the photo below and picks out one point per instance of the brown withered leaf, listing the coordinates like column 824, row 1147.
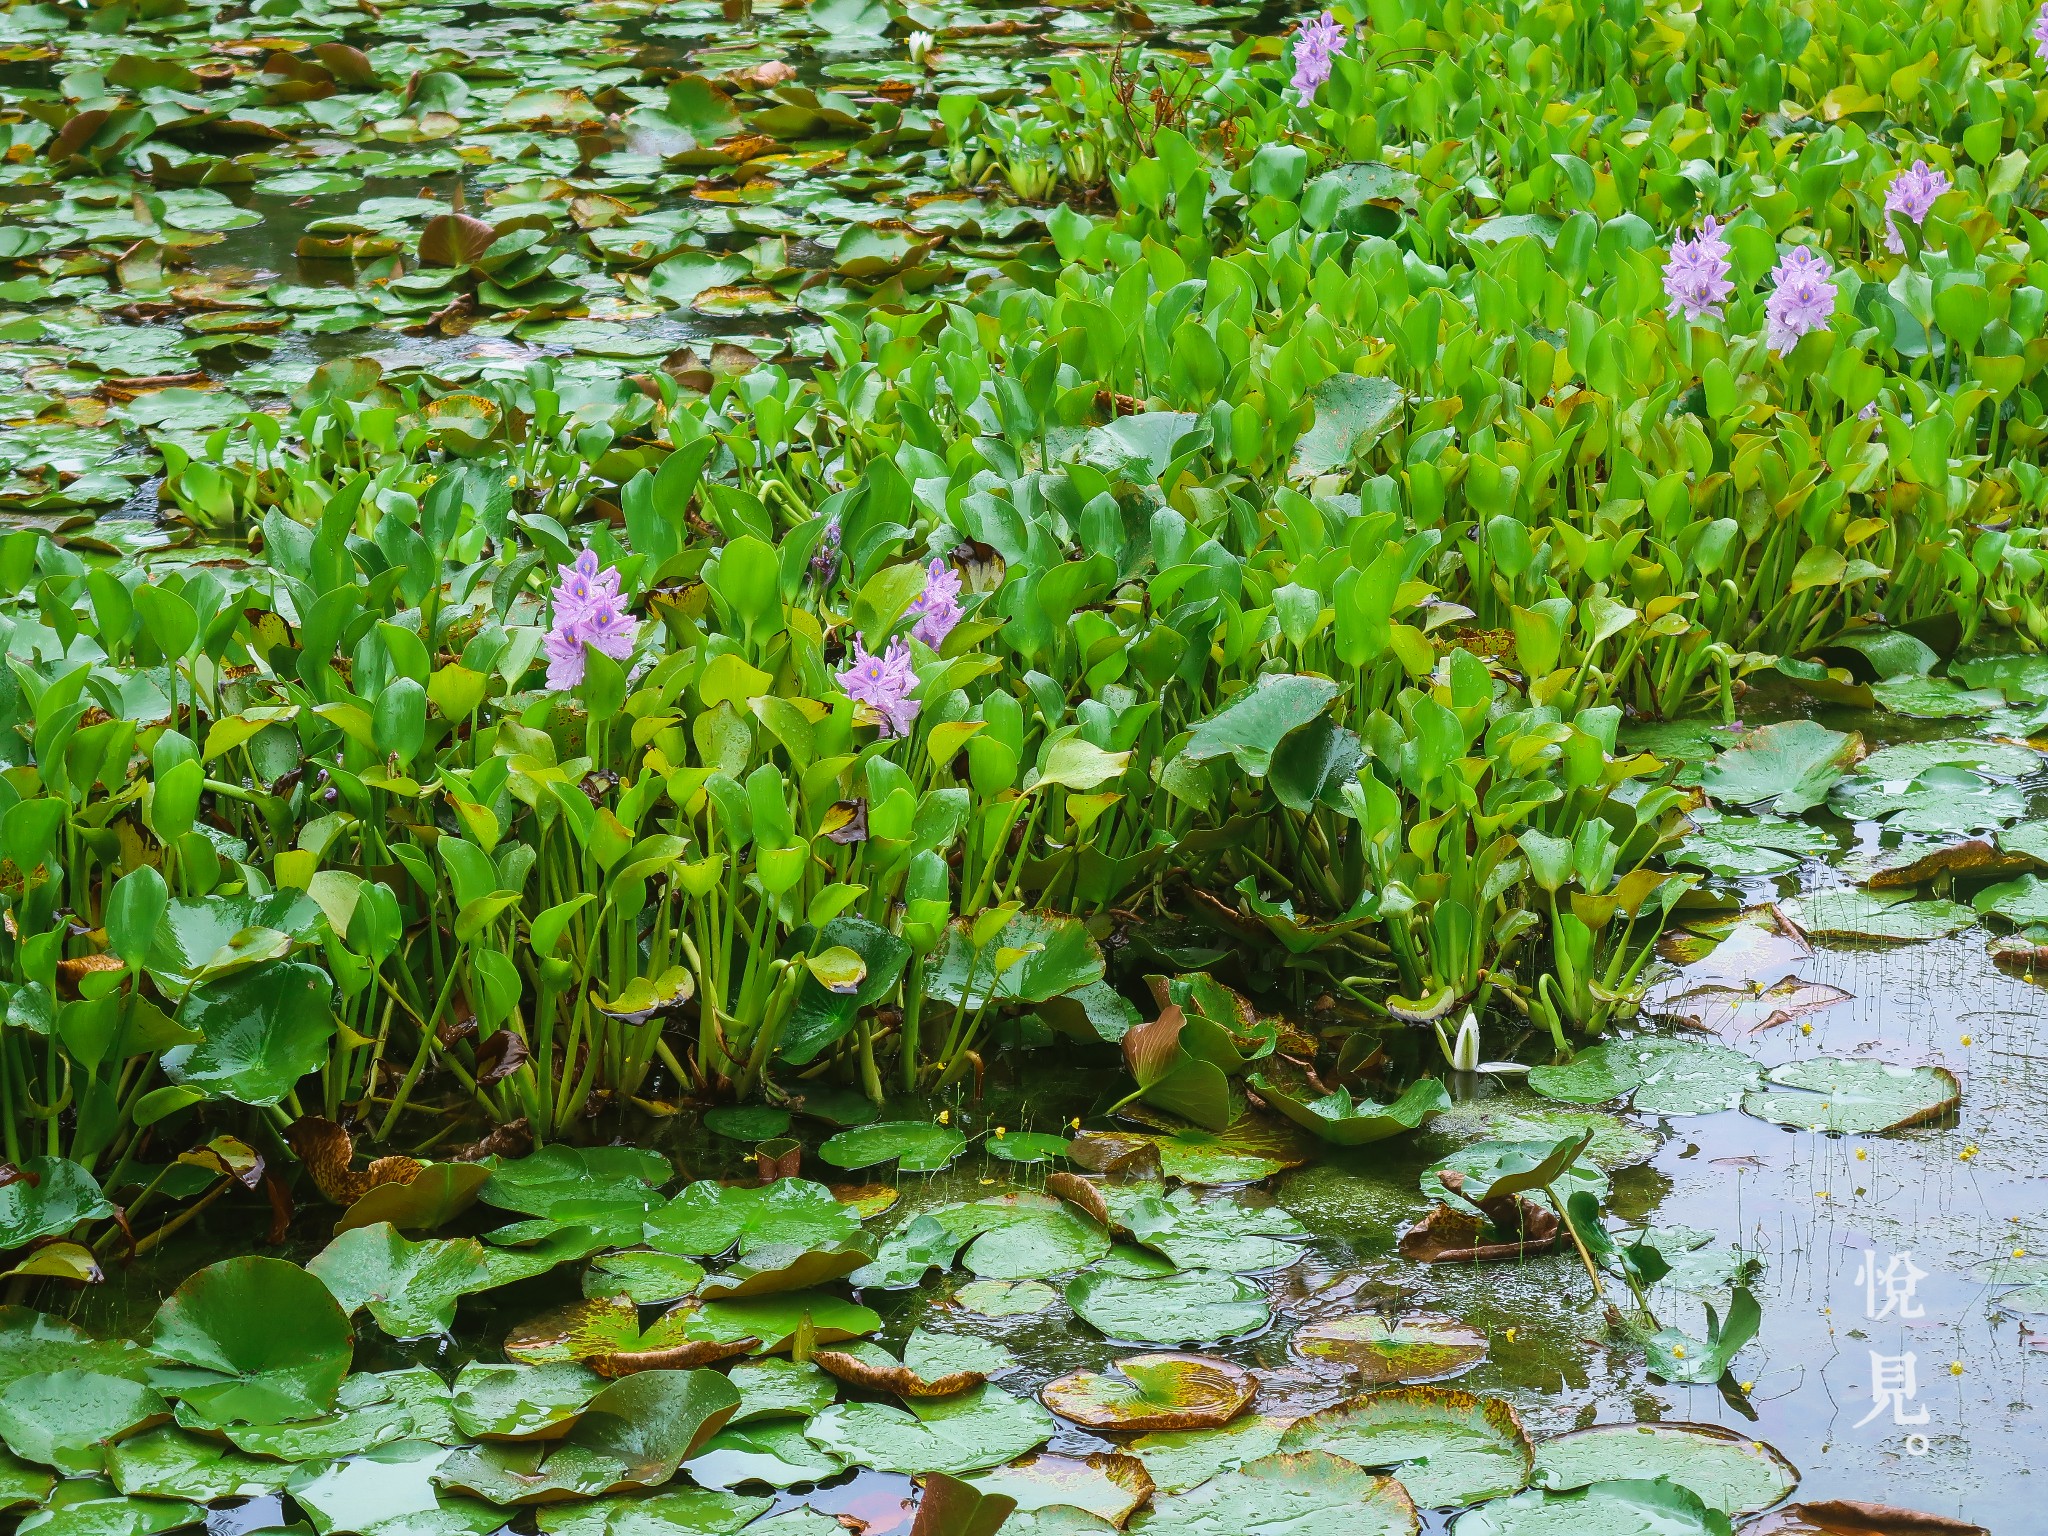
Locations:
column 512, row 1139
column 1081, row 1194
column 686, row 1356
column 73, row 971
column 778, row 1160
column 327, row 1150
column 1127, row 1159
column 1512, row 1228
column 1975, row 857
column 229, row 1157
column 900, row 1379
column 499, row 1056
column 1853, row 1517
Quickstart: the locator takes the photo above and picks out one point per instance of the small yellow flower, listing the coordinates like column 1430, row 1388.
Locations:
column 1749, row 1386
column 1861, row 1155
column 945, row 1117
column 1820, row 1194
column 1511, row 1335
column 988, row 1181
column 1074, row 1124
column 1678, row 1350
column 1806, row 1029
column 1967, row 1153
column 1001, row 1132
column 1966, row 1039
column 1955, row 1367
column 2019, row 1253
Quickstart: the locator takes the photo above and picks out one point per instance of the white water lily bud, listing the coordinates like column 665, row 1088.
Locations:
column 1465, row 1054
column 920, row 45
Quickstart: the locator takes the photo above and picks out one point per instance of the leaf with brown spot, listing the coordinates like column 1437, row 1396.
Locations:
column 1450, row 1236
column 1853, row 1517
column 1082, row 1195
column 1383, row 1349
column 454, row 240
column 1154, row 1392
column 900, row 1379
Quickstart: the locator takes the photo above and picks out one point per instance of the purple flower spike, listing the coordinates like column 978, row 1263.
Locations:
column 586, row 603
column 1696, row 273
column 1315, row 45
column 825, row 558
column 1911, row 194
column 1803, row 301
column 884, row 683
column 2039, row 32
column 938, row 606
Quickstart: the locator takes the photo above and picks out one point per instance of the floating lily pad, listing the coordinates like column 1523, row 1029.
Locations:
column 170, row 1463
column 1854, row 1096
column 1192, row 1307
column 772, row 1451
column 1735, row 847
column 771, row 1387
column 968, row 1432
column 1845, row 912
column 1217, row 1232
column 1389, row 1349
column 522, row 1402
column 111, row 1516
column 707, row 1218
column 1730, row 1472
column 411, row 1288
column 372, row 1408
column 679, row 1512
column 1446, row 1446
column 1652, row 1507
column 1005, row 1298
column 69, row 1419
column 1789, row 766
column 32, row 1343
column 1178, row 1459
column 1036, row 1245
column 1286, row 1494
column 1658, row 1076
column 253, row 1339
column 1486, row 1163
column 1153, row 1392
column 1337, row 1118
column 1254, row 1147
column 559, row 1176
column 915, row 1146
column 1025, row 1147
column 1106, row 1485
column 747, row 1122
column 647, row 1276
column 1524, row 1117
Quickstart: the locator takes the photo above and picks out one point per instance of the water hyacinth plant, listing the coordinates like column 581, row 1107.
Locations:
column 843, row 590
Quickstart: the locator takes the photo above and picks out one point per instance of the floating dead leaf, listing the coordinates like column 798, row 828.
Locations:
column 900, row 1379
column 1154, row 1392
column 1975, row 857
column 1082, row 1195
column 1514, row 1227
column 1734, row 1011
column 1853, row 1517
column 1122, row 1157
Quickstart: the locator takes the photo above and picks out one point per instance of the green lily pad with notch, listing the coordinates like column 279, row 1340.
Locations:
column 1215, row 1232
column 1250, row 728
column 771, row 1387
column 1005, row 1298
column 1194, row 1306
column 1108, row 1487
column 1847, row 912
column 909, row 1253
column 1487, row 1163
column 194, row 932
column 171, row 1463
column 522, row 1402
column 1658, row 1076
column 1789, row 766
column 1695, row 1262
column 1254, row 1147
column 1737, row 847
column 1905, row 761
column 70, row 1419
column 1285, row 1494
column 1730, row 1472
column 253, row 1340
column 771, row 1451
column 915, row 1146
column 1944, row 801
column 115, row 1515
column 677, row 1512
column 1393, row 1349
column 969, row 1431
column 707, row 1218
column 1025, row 1147
column 372, row 1408
column 647, row 1275
column 633, row 1434
column 2021, row 902
column 411, row 1288
column 2028, row 1277
column 747, row 1122
column 1036, row 1245
column 49, row 1196
column 262, row 1030
column 1651, row 1507
column 1448, row 1447
column 1856, row 1097
column 559, row 1176
column 1518, row 1116
column 1337, row 1118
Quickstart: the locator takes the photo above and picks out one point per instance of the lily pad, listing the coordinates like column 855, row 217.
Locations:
column 1789, row 766
column 69, row 1419
column 1178, row 1459
column 747, row 1122
column 1195, row 1306
column 771, row 1387
column 170, row 1463
column 1005, row 1298
column 707, row 1218
column 1382, row 1349
column 968, row 1432
column 411, row 1288
column 557, row 1179
column 678, row 1512
column 773, row 1451
column 33, row 1342
column 1025, row 1147
column 1857, row 1097
column 522, row 1402
column 1218, row 1232
column 253, row 1339
column 1153, row 1392
column 111, row 1516
column 1336, row 1117
column 1641, row 1507
column 1106, row 1485
column 1845, row 912
column 1448, row 1448
column 1730, row 1472
column 48, row 1196
column 372, row 1408
column 1735, row 847
column 1036, row 1245
column 915, row 1146
column 1306, row 1493
column 1487, row 1163
column 1658, row 1076
column 647, row 1276
column 1253, row 1147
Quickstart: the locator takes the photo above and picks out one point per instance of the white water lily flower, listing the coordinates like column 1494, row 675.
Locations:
column 920, row 45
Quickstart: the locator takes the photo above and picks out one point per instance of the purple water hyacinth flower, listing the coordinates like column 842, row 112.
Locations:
column 1315, row 45
column 1803, row 301
column 938, row 606
column 1696, row 273
column 587, row 612
column 883, row 683
column 825, row 558
column 2039, row 32
column 1912, row 193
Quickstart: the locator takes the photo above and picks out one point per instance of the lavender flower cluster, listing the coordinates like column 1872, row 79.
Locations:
column 884, row 683
column 586, row 604
column 1911, row 195
column 1315, row 45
